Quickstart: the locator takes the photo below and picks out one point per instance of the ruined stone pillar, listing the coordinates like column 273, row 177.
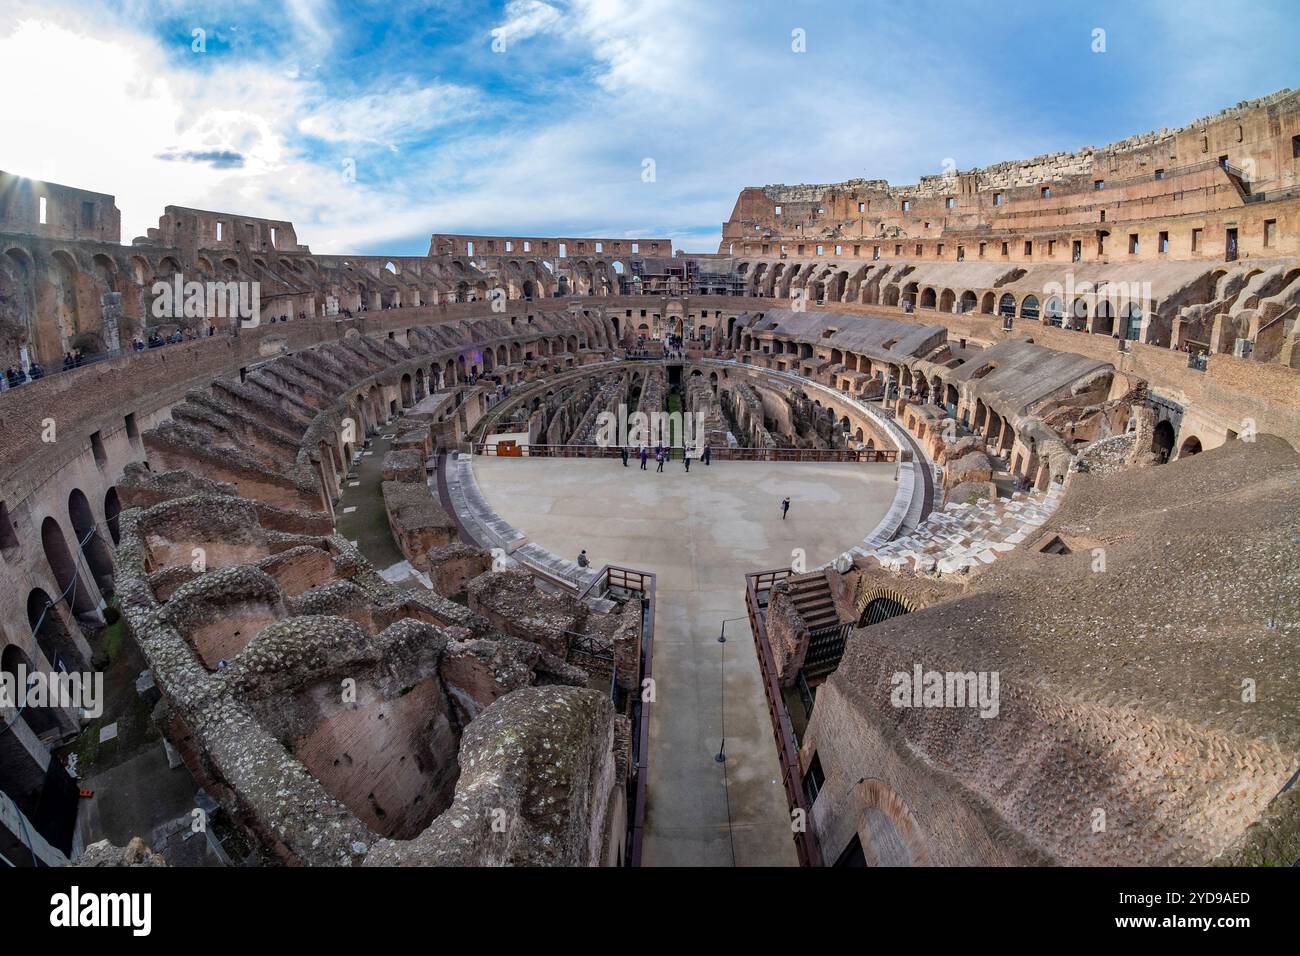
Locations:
column 111, row 308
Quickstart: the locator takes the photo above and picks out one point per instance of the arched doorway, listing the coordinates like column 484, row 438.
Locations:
column 52, row 635
column 112, row 508
column 64, row 568
column 1162, row 441
column 16, row 664
column 1192, row 446
column 93, row 547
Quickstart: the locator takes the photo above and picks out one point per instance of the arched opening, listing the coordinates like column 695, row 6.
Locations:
column 1103, row 322
column 1054, row 312
column 71, row 586
column 41, row 720
column 93, row 547
column 880, row 609
column 1133, row 322
column 52, row 635
column 112, row 508
column 1162, row 441
column 1192, row 446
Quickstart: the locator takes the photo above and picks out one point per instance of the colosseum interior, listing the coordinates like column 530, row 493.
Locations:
column 368, row 583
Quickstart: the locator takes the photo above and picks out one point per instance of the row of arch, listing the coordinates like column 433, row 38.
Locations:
column 824, row 282
column 82, row 576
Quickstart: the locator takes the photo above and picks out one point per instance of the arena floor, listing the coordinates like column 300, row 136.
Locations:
column 700, row 533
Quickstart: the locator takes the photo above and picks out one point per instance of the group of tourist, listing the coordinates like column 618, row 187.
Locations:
column 157, row 340
column 14, row 377
column 662, row 454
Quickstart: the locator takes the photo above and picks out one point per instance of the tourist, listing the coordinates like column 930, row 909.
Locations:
column 686, row 458
column 583, row 560
column 623, row 452
column 659, row 457
column 705, row 456
column 645, row 454
column 785, row 507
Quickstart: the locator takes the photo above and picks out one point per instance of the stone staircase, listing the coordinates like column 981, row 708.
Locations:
column 811, row 595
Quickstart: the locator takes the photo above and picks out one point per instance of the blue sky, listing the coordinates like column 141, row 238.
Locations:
column 373, row 125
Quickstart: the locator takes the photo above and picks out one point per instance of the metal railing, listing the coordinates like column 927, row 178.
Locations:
column 721, row 453
column 756, row 587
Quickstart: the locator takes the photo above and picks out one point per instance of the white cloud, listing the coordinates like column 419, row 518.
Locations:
column 389, row 118
column 718, row 100
column 527, row 18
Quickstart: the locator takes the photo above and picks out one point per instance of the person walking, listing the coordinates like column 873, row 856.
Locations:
column 705, row 457
column 660, row 458
column 623, row 450
column 645, row 454
column 686, row 459
column 785, row 507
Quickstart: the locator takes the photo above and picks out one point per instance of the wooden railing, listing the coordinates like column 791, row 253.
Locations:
column 805, row 842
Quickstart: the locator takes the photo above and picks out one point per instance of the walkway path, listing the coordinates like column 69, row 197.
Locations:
column 360, row 517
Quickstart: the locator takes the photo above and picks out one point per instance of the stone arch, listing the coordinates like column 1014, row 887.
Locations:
column 52, row 636
column 886, row 829
column 112, row 508
column 64, row 274
column 97, row 554
column 946, row 300
column 1053, row 311
column 41, row 720
column 17, row 303
column 1191, row 446
column 64, row 568
column 1131, row 322
column 1162, row 440
column 1103, row 319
